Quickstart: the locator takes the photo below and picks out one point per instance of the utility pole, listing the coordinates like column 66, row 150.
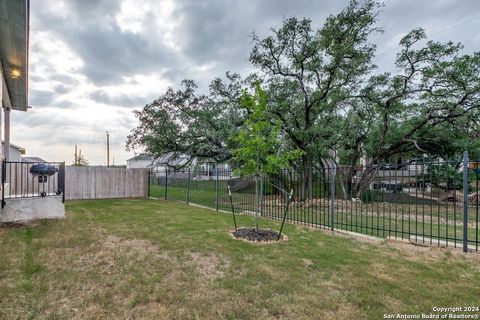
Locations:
column 108, row 149
column 75, row 159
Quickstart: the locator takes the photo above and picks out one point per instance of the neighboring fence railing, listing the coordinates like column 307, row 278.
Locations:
column 434, row 202
column 32, row 179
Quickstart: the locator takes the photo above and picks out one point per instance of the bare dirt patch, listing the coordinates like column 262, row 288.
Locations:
column 209, row 266
column 140, row 246
column 111, row 275
column 307, row 262
column 415, row 252
column 19, row 224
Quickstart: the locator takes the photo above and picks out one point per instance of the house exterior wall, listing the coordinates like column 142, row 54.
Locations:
column 3, row 97
column 15, row 154
column 138, row 164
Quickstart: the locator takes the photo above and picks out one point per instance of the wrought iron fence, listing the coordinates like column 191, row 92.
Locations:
column 434, row 202
column 32, row 179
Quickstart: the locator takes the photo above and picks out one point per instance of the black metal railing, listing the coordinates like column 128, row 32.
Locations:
column 430, row 201
column 32, row 179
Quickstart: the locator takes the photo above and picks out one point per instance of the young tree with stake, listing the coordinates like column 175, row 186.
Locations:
column 260, row 147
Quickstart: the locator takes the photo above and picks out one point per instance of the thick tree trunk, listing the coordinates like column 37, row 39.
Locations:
column 323, row 177
column 306, row 179
column 351, row 173
column 366, row 178
column 343, row 180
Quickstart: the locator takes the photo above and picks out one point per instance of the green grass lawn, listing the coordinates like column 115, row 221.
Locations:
column 163, row 260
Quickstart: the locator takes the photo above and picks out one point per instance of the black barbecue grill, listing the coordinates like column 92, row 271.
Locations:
column 43, row 171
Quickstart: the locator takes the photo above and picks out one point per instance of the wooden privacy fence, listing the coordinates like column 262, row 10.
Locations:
column 104, row 182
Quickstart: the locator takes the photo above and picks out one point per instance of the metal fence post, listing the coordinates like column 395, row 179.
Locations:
column 216, row 189
column 4, row 173
column 261, row 195
column 166, row 183
column 465, row 201
column 61, row 182
column 188, row 186
column 332, row 201
column 149, row 182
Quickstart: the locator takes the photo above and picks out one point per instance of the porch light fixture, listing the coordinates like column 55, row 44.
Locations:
column 15, row 72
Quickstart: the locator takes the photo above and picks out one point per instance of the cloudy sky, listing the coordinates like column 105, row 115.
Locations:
column 94, row 61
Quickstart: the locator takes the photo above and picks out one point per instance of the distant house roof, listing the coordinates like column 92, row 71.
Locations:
column 141, row 157
column 165, row 159
column 20, row 149
column 32, row 159
column 171, row 160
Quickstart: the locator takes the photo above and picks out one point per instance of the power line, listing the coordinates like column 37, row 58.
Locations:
column 435, row 33
column 455, row 25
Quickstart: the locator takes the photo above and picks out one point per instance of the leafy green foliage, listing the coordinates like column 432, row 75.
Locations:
column 259, row 142
column 309, row 74
column 447, row 176
column 186, row 122
column 428, row 108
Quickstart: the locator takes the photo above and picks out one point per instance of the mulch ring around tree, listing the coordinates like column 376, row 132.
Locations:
column 253, row 235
